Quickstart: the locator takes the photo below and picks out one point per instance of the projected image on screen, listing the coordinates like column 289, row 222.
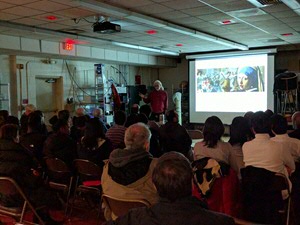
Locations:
column 247, row 78
column 230, row 86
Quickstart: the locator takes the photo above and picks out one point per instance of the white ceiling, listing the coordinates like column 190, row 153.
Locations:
column 177, row 22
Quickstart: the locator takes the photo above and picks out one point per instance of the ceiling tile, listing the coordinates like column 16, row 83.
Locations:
column 170, row 15
column 66, row 2
column 22, row 11
column 131, row 4
column 4, row 5
column 19, row 2
column 150, row 9
column 29, row 21
column 47, row 6
column 76, row 13
column 199, row 11
column 8, row 16
column 180, row 5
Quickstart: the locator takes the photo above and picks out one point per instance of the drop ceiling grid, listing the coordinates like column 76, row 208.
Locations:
column 18, row 2
column 47, row 6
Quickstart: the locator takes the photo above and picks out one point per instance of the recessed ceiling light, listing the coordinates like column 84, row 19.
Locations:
column 51, row 17
column 246, row 13
column 151, row 31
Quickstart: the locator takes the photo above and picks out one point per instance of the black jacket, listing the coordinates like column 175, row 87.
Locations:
column 186, row 211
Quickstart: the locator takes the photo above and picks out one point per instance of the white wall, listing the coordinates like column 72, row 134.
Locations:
column 82, row 71
column 172, row 77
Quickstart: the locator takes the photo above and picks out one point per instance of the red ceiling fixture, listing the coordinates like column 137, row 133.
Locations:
column 226, row 22
column 287, row 34
column 75, row 41
column 179, row 45
column 51, row 17
column 151, row 31
column 70, row 41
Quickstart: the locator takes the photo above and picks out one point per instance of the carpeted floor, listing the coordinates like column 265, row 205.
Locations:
column 82, row 214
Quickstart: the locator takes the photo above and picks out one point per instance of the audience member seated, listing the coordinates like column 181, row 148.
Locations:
column 94, row 146
column 116, row 133
column 128, row 172
column 212, row 146
column 4, row 115
column 264, row 153
column 172, row 178
column 59, row 144
column 79, row 112
column 64, row 115
column 98, row 113
column 13, row 120
column 279, row 126
column 174, row 137
column 16, row 163
column 146, row 109
column 24, row 118
column 240, row 132
column 78, row 127
column 33, row 140
column 43, row 128
column 155, row 148
column 132, row 117
column 296, row 125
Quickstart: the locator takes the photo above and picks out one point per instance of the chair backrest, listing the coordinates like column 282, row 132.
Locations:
column 195, row 134
column 10, row 191
column 57, row 170
column 120, row 207
column 238, row 221
column 262, row 194
column 87, row 170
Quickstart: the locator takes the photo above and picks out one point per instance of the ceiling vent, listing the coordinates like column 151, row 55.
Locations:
column 264, row 3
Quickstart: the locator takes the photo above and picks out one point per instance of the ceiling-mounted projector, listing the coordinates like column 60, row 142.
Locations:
column 106, row 27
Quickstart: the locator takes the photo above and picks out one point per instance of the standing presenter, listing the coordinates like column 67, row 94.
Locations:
column 158, row 100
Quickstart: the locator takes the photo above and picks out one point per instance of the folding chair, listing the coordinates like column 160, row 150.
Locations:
column 238, row 221
column 120, row 207
column 195, row 134
column 262, row 196
column 59, row 177
column 88, row 181
column 8, row 187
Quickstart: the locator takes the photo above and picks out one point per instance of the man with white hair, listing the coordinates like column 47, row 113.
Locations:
column 24, row 118
column 128, row 172
column 158, row 100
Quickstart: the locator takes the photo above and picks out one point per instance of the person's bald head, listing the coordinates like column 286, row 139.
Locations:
column 137, row 136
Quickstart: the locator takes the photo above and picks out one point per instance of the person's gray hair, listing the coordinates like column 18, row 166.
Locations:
column 136, row 136
column 30, row 107
column 160, row 83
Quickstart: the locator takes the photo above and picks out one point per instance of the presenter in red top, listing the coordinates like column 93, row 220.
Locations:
column 158, row 100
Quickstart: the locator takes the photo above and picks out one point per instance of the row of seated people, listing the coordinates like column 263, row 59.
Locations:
column 91, row 138
column 122, row 167
column 270, row 155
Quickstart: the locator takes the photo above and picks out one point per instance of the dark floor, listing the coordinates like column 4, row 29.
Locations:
column 81, row 215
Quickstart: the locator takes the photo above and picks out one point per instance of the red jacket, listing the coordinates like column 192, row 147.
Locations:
column 225, row 195
column 158, row 101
